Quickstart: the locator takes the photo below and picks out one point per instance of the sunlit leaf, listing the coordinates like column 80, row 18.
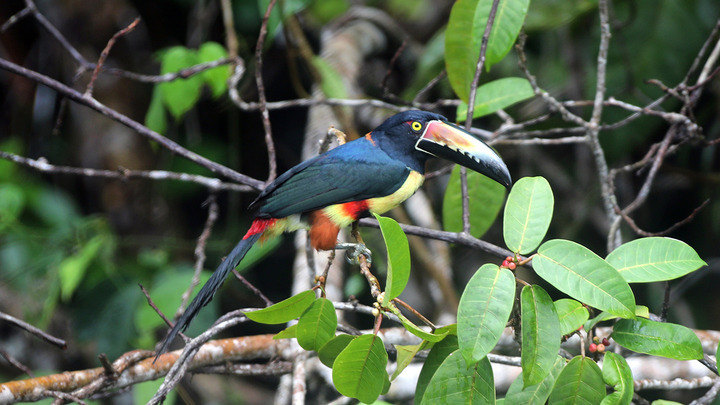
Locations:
column 658, row 338
column 285, row 310
column 571, row 314
column 579, row 382
column 496, row 95
column 331, row 349
column 398, row 250
column 528, row 212
column 216, row 78
column 287, row 333
column 359, row 370
column 468, row 19
column 647, row 260
column 540, row 334
column 456, row 382
column 72, row 269
column 179, row 95
column 583, row 275
column 617, row 374
column 317, row 324
column 484, row 309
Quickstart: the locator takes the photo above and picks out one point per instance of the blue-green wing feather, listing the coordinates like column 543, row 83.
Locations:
column 351, row 172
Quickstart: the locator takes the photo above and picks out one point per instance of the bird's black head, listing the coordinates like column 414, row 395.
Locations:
column 413, row 136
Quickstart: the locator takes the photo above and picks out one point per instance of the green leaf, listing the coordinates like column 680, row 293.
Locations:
column 288, row 8
column 405, row 355
column 583, row 275
column 285, row 310
column 572, row 315
column 664, row 402
column 551, row 14
column 216, row 78
column 330, row 351
column 359, row 370
column 579, row 382
column 485, row 200
column 332, row 84
column 534, row 394
column 317, row 325
column 12, row 201
column 398, row 251
column 179, row 95
column 540, row 334
column 647, row 260
column 455, row 382
column 72, row 269
column 287, row 333
column 468, row 19
column 415, row 330
column 155, row 118
column 496, row 95
column 437, row 355
column 640, row 310
column 617, row 374
column 484, row 310
column 657, row 338
column 528, row 212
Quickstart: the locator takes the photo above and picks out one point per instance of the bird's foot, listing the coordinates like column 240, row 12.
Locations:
column 353, row 252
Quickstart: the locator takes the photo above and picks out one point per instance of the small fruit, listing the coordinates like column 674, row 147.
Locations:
column 601, row 348
column 505, row 263
column 596, row 339
column 376, row 312
column 511, row 265
column 592, row 348
column 606, row 341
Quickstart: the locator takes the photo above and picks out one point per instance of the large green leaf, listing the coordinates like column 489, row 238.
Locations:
column 583, row 275
column 288, row 333
column 571, row 314
column 484, row 310
column 496, row 95
column 12, row 202
column 317, row 325
column 658, row 338
column 540, row 334
column 647, row 260
column 468, row 19
column 328, row 353
column 216, row 78
column 485, row 200
column 617, row 374
column 398, row 250
column 580, row 382
column 534, row 394
column 437, row 355
column 359, row 370
column 455, row 382
column 640, row 310
column 179, row 95
column 285, row 310
column 415, row 330
column 528, row 212
column 155, row 118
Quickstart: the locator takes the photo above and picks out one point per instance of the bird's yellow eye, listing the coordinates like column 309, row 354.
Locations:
column 416, row 126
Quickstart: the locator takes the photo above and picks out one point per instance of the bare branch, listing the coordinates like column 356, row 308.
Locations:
column 33, row 330
column 272, row 162
column 105, row 53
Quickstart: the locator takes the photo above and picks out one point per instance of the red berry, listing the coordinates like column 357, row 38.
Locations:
column 511, row 265
column 593, row 347
column 509, row 258
column 606, row 342
column 601, row 348
column 505, row 263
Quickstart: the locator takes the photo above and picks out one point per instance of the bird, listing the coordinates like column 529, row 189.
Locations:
column 371, row 174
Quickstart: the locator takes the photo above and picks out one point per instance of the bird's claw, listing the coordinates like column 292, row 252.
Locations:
column 353, row 252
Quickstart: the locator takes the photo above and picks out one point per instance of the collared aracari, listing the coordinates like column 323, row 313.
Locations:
column 369, row 175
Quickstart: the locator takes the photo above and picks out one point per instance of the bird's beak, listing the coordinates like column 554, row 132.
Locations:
column 453, row 143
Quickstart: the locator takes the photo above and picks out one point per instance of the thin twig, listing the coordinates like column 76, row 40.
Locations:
column 33, row 330
column 157, row 310
column 105, row 53
column 272, row 162
column 12, row 360
column 43, row 166
column 200, row 252
column 252, row 288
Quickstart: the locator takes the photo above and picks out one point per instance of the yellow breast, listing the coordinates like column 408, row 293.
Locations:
column 380, row 205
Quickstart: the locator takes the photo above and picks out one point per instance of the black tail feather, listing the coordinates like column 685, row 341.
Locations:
column 208, row 290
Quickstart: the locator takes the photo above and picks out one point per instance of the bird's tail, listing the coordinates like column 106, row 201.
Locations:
column 259, row 226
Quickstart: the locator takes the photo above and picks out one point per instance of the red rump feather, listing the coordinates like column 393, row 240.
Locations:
column 355, row 208
column 259, row 225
